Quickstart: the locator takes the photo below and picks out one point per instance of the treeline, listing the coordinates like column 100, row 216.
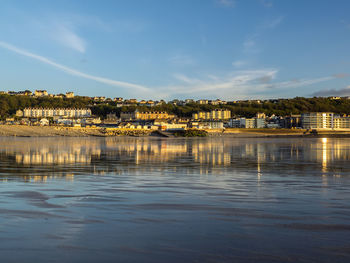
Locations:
column 282, row 107
column 9, row 104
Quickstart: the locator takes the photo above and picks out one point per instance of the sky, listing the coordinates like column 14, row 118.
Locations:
column 165, row 49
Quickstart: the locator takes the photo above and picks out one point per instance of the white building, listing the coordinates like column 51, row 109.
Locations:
column 317, row 120
column 41, row 93
column 247, row 123
column 341, row 122
column 58, row 112
column 70, row 95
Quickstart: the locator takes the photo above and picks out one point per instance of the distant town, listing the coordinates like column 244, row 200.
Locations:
column 39, row 108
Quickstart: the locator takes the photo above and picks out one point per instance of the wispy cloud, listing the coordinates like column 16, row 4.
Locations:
column 227, row 3
column 345, row 23
column 250, row 43
column 66, row 29
column 237, row 84
column 239, row 63
column 332, row 92
column 72, row 71
column 182, row 60
column 66, row 36
column 270, row 24
column 266, row 3
column 341, row 75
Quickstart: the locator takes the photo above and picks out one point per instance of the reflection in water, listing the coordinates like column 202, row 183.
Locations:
column 120, row 155
column 174, row 200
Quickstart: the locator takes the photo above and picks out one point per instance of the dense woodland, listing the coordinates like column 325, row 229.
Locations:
column 282, row 107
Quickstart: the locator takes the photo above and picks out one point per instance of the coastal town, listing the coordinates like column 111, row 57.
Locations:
column 143, row 115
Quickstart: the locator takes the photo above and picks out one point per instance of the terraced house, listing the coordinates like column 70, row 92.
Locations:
column 56, row 112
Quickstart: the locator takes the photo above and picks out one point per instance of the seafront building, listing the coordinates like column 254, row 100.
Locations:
column 324, row 120
column 341, row 123
column 55, row 112
column 292, row 121
column 317, row 120
column 136, row 115
column 217, row 114
column 251, row 123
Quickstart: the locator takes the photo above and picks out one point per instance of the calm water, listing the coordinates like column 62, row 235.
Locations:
column 174, row 200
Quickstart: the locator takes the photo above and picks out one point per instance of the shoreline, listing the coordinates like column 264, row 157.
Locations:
column 57, row 131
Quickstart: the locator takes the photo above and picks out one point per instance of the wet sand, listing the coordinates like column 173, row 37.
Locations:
column 47, row 131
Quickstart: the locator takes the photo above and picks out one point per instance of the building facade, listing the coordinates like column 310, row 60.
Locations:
column 216, row 114
column 341, row 123
column 317, row 120
column 57, row 112
column 252, row 123
column 70, row 95
column 136, row 115
column 292, row 121
column 41, row 93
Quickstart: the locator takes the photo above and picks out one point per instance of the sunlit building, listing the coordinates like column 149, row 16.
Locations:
column 136, row 115
column 41, row 93
column 341, row 123
column 247, row 123
column 56, row 112
column 70, row 95
column 317, row 120
column 217, row 114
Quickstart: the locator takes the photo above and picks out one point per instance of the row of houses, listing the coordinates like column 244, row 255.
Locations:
column 217, row 114
column 214, row 119
column 54, row 112
column 38, row 93
column 171, row 125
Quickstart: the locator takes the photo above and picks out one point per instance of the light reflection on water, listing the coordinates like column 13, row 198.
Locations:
column 174, row 200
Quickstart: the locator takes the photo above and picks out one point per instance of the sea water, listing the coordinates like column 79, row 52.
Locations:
column 174, row 200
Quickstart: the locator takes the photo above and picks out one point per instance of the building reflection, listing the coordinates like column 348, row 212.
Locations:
column 51, row 158
column 45, row 178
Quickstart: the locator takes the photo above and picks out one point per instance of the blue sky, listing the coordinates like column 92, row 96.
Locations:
column 228, row 49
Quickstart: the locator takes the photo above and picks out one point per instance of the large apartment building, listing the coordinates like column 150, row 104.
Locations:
column 341, row 123
column 56, row 112
column 216, row 114
column 317, row 120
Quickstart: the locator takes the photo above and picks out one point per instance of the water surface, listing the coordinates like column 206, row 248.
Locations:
column 174, row 200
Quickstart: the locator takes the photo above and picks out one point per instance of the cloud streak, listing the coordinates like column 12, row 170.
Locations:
column 227, row 3
column 181, row 60
column 249, row 44
column 70, row 39
column 333, row 92
column 266, row 3
column 237, row 84
column 239, row 63
column 72, row 71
